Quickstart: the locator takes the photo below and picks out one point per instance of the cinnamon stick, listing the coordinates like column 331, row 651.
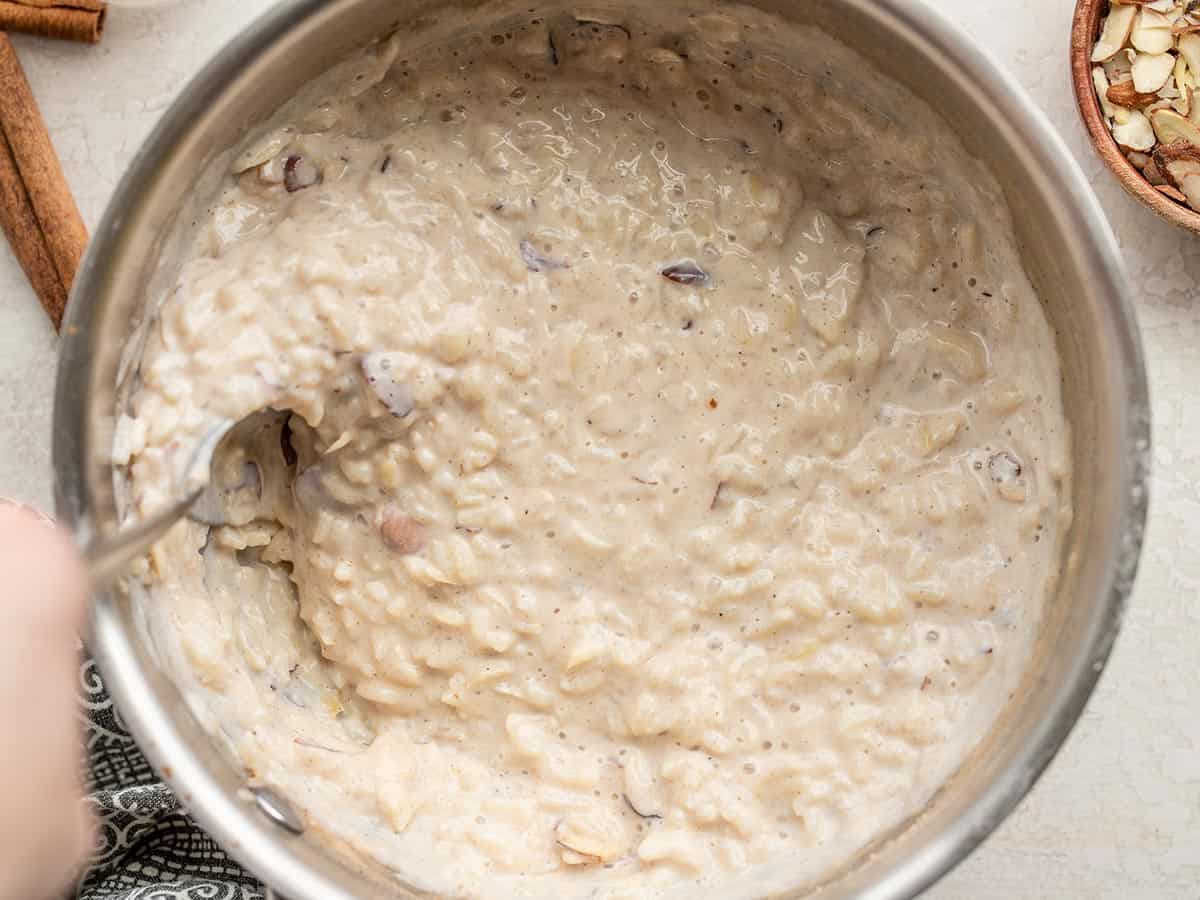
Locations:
column 37, row 211
column 25, row 235
column 73, row 20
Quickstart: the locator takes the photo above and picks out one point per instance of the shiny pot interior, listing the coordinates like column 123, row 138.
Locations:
column 1070, row 256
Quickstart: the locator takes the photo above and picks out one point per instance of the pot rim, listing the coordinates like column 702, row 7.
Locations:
column 269, row 853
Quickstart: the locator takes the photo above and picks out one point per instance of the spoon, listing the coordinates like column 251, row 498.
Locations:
column 205, row 497
column 108, row 556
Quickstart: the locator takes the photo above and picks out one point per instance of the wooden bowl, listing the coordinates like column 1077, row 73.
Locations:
column 1086, row 28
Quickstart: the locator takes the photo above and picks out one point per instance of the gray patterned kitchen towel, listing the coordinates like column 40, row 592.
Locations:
column 147, row 848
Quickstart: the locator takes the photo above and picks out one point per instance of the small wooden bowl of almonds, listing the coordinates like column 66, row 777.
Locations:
column 1136, row 69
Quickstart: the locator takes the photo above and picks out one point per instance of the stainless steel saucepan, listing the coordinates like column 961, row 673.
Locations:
column 1070, row 256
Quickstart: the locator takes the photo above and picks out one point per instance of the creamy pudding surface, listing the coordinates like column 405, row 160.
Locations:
column 662, row 471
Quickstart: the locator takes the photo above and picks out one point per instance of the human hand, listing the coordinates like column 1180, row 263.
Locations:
column 44, row 828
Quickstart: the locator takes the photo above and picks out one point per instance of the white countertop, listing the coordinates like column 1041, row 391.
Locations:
column 1118, row 813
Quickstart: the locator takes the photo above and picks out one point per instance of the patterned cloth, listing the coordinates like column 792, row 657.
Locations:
column 147, row 848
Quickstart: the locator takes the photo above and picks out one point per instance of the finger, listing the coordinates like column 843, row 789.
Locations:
column 42, row 606
column 44, row 588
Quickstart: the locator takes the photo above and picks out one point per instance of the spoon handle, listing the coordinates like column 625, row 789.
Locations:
column 108, row 556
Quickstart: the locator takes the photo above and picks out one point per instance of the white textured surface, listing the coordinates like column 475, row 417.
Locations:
column 1118, row 813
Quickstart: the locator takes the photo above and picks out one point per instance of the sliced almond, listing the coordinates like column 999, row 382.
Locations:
column 1120, row 67
column 1115, row 33
column 1100, row 83
column 1182, row 103
column 1153, row 173
column 1179, row 74
column 641, row 791
column 1175, row 163
column 1171, row 127
column 1151, row 71
column 1151, row 32
column 1174, row 193
column 1135, row 133
column 1191, row 190
column 1139, row 159
column 593, row 835
column 1180, row 164
column 1125, row 94
column 1189, row 49
column 264, row 149
column 1184, row 24
column 1185, row 105
column 1166, row 154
